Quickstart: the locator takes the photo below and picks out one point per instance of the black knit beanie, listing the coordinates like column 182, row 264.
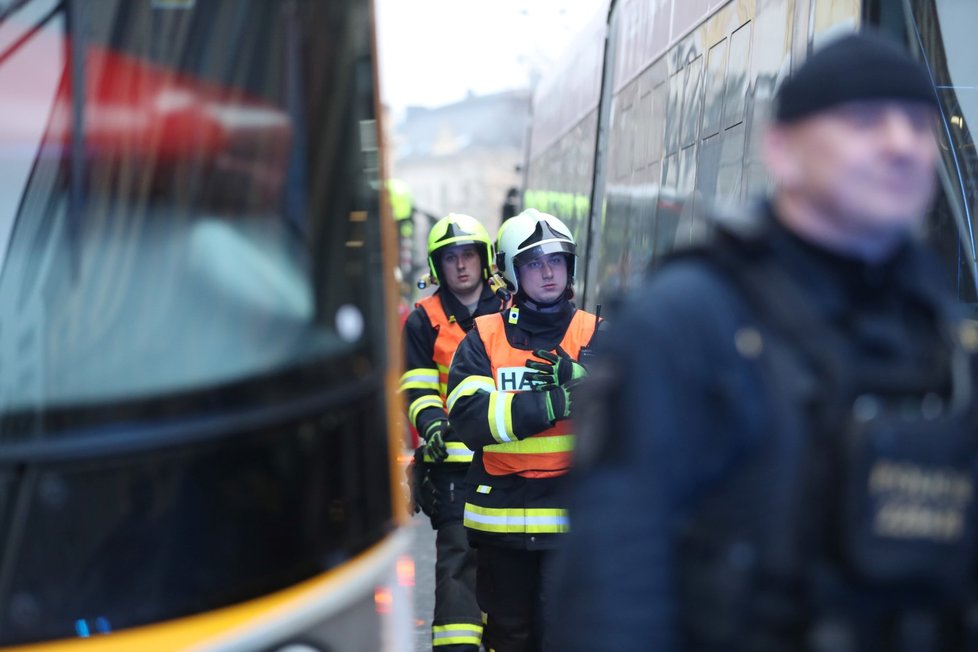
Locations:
column 863, row 66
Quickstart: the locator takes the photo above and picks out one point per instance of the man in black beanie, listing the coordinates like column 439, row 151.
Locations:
column 777, row 442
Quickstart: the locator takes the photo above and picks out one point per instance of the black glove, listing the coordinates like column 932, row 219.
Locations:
column 435, row 435
column 557, row 370
column 423, row 490
column 558, row 400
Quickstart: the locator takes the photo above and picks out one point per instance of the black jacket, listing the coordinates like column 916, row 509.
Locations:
column 470, row 385
column 690, row 451
column 419, row 347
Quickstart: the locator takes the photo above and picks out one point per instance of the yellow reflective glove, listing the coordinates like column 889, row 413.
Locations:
column 556, row 370
column 435, row 449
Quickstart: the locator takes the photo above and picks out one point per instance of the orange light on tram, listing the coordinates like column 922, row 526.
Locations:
column 405, row 570
column 383, row 599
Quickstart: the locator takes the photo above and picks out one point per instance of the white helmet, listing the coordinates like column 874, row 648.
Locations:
column 529, row 235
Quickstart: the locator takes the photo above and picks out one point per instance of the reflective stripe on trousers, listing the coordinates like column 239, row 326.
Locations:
column 515, row 520
column 456, row 634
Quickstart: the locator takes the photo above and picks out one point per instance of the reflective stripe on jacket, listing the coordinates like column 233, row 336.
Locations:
column 449, row 335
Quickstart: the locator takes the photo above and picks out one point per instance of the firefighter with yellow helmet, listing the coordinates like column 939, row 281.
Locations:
column 511, row 397
column 460, row 255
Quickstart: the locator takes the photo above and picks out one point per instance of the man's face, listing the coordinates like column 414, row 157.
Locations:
column 462, row 268
column 544, row 278
column 868, row 166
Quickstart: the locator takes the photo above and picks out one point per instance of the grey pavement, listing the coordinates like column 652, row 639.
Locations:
column 423, row 551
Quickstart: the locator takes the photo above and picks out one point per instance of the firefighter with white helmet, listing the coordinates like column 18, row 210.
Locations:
column 511, row 398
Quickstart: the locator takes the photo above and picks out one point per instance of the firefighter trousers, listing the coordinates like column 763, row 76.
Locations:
column 457, row 626
column 512, row 585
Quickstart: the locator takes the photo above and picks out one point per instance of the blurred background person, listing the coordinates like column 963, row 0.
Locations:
column 781, row 447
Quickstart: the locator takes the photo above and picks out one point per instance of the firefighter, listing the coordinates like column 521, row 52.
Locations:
column 511, row 394
column 779, row 448
column 459, row 262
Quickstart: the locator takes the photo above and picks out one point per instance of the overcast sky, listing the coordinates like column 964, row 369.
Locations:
column 432, row 52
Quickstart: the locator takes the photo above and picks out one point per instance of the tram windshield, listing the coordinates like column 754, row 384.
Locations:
column 958, row 85
column 159, row 230
column 944, row 29
column 192, row 340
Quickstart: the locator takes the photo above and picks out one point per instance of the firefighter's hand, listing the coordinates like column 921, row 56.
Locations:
column 435, row 450
column 558, row 401
column 423, row 492
column 556, row 370
column 430, row 502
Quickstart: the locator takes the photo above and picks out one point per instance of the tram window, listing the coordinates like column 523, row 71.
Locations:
column 198, row 529
column 660, row 99
column 612, row 255
column 635, row 124
column 645, row 122
column 616, row 159
column 673, row 117
column 668, row 207
column 830, row 14
column 738, row 71
column 770, row 49
column 587, row 145
column 945, row 28
column 235, row 238
column 686, row 192
column 692, row 100
column 941, row 233
column 757, row 181
column 626, row 144
column 731, row 166
column 651, row 213
column 708, row 168
column 29, row 76
column 643, row 207
column 192, row 310
column 713, row 101
column 958, row 90
column 686, row 179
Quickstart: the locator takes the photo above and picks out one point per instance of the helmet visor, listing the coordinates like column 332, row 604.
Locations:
column 542, row 249
column 463, row 241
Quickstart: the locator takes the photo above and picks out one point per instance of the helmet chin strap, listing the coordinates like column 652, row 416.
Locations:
column 539, row 306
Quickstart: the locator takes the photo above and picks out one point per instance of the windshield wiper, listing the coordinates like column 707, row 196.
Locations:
column 29, row 34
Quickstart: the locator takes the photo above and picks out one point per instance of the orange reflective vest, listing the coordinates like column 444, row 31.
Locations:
column 546, row 454
column 450, row 335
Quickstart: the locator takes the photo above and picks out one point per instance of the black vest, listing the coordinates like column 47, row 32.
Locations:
column 851, row 524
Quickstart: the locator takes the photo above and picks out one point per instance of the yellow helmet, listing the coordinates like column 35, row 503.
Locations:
column 456, row 229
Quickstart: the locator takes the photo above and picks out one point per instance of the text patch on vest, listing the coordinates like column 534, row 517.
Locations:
column 514, row 379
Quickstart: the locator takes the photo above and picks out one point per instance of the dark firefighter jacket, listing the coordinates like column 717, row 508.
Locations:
column 513, row 483
column 693, row 443
column 432, row 332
